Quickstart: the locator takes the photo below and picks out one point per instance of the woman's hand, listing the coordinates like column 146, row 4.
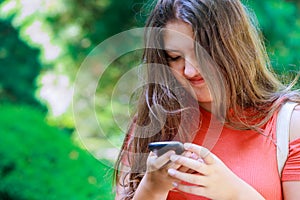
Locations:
column 213, row 180
column 156, row 183
column 157, row 172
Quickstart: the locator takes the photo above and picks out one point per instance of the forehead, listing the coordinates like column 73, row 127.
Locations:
column 178, row 35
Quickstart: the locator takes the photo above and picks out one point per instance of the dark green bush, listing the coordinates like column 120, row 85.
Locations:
column 38, row 161
column 18, row 62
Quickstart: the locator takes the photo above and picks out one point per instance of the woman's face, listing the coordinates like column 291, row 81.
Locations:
column 179, row 46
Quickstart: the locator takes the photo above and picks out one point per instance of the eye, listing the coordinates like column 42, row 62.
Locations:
column 173, row 58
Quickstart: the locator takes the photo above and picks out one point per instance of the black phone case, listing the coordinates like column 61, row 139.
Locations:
column 162, row 147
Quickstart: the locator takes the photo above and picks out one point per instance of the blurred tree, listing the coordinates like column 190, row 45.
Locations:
column 19, row 67
column 78, row 33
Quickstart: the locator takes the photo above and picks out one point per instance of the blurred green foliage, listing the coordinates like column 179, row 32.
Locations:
column 75, row 27
column 279, row 21
column 38, row 161
column 19, row 67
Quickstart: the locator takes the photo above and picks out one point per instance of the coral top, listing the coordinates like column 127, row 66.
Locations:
column 251, row 156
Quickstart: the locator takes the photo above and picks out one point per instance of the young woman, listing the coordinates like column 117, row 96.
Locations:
column 214, row 56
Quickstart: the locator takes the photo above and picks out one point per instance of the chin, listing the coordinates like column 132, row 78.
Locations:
column 204, row 97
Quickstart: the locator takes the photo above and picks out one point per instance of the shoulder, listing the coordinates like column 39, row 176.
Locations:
column 295, row 124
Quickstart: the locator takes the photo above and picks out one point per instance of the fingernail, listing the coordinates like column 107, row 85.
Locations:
column 173, row 158
column 188, row 154
column 171, row 172
column 174, row 184
column 187, row 145
column 194, row 156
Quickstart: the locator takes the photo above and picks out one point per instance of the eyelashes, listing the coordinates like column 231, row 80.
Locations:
column 173, row 58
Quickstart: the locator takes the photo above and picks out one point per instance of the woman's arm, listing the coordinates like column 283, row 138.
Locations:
column 291, row 188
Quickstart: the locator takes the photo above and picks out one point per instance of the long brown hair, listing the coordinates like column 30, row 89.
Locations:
column 228, row 33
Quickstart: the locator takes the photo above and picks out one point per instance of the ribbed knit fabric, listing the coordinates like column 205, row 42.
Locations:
column 291, row 170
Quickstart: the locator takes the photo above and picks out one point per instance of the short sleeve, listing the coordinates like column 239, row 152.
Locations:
column 291, row 170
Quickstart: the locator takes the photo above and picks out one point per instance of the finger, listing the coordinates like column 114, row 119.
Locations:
column 152, row 154
column 156, row 163
column 189, row 178
column 183, row 169
column 151, row 157
column 189, row 163
column 191, row 189
column 187, row 154
column 172, row 165
column 179, row 167
column 202, row 152
column 193, row 156
column 191, row 171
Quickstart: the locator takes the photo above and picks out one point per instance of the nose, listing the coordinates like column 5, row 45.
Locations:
column 190, row 69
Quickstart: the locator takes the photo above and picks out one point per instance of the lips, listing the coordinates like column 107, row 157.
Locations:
column 196, row 80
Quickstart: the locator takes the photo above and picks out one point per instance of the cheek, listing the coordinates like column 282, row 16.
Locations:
column 178, row 66
column 178, row 74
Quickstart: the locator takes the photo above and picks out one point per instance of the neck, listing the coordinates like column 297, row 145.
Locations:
column 206, row 105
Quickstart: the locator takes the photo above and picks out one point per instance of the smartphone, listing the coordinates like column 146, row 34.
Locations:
column 162, row 147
